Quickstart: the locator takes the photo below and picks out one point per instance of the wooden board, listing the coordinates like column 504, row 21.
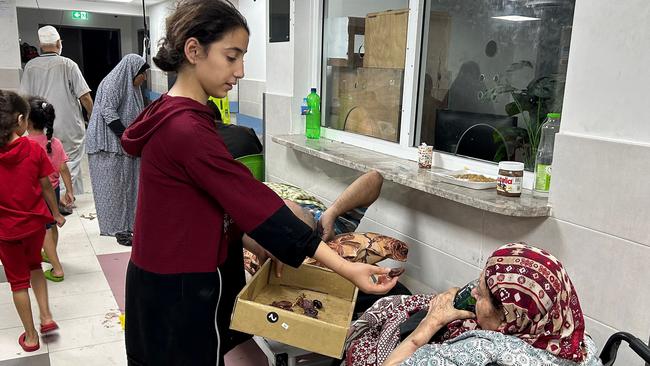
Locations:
column 385, row 39
column 368, row 101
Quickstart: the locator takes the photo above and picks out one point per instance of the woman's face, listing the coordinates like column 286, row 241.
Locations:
column 219, row 70
column 488, row 316
column 139, row 79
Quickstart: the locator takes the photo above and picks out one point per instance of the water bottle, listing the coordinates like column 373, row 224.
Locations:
column 464, row 299
column 312, row 130
column 544, row 157
column 303, row 112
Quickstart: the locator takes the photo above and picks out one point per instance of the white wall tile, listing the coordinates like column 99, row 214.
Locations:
column 602, row 185
column 9, row 79
column 600, row 332
column 607, row 80
column 251, row 90
column 277, row 109
column 606, row 271
column 250, row 109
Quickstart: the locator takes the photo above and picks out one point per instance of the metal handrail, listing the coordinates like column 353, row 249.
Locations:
column 485, row 125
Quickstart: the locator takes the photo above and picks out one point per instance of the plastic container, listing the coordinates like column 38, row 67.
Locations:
column 544, row 157
column 510, row 179
column 303, row 113
column 312, row 128
column 255, row 163
column 425, row 156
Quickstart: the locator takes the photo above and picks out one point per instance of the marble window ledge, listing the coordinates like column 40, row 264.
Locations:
column 407, row 173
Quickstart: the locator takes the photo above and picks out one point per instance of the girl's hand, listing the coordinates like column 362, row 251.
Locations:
column 60, row 220
column 442, row 311
column 68, row 199
column 362, row 275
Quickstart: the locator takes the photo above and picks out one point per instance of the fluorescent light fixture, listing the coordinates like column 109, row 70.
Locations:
column 117, row 1
column 515, row 18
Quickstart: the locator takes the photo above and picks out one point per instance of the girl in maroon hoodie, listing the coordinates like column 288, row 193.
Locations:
column 24, row 182
column 195, row 202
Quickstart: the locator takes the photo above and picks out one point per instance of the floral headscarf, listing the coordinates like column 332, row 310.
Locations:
column 540, row 304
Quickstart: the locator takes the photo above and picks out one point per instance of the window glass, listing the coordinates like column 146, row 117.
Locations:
column 364, row 50
column 490, row 72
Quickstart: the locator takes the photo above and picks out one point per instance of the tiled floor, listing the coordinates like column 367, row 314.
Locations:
column 86, row 304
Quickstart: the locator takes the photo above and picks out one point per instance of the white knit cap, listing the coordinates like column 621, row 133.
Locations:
column 48, row 35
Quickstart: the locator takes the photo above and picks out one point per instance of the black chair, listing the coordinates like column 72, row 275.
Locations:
column 471, row 134
column 608, row 354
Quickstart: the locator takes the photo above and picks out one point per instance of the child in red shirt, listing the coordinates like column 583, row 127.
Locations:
column 24, row 183
column 40, row 129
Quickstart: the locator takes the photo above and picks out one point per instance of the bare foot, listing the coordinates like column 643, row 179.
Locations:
column 31, row 339
column 46, row 319
column 58, row 273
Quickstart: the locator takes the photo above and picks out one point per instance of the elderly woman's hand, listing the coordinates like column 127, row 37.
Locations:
column 442, row 311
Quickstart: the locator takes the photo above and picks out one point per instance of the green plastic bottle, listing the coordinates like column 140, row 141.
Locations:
column 544, row 158
column 312, row 128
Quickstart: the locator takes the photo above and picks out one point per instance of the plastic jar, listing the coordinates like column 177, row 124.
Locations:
column 511, row 177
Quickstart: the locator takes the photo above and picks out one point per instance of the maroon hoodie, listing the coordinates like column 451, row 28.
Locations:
column 22, row 208
column 194, row 197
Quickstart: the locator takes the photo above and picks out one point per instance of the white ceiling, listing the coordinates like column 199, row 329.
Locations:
column 133, row 7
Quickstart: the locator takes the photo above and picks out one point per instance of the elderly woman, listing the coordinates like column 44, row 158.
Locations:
column 114, row 174
column 527, row 313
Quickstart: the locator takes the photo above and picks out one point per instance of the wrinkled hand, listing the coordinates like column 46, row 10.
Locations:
column 326, row 226
column 361, row 275
column 60, row 220
column 442, row 311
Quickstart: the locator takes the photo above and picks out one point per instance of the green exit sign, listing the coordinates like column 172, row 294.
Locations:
column 80, row 15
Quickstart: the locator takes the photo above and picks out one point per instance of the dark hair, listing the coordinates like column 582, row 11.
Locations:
column 207, row 21
column 11, row 105
column 42, row 118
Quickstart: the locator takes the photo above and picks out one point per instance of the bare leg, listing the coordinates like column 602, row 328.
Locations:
column 24, row 309
column 40, row 291
column 49, row 246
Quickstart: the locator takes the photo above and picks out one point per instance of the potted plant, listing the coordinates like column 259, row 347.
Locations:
column 541, row 96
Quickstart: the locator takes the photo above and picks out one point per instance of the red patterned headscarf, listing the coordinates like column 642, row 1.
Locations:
column 540, row 304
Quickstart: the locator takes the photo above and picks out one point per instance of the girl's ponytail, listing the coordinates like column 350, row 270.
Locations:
column 42, row 117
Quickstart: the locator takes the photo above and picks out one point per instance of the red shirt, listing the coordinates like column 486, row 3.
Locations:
column 192, row 194
column 22, row 208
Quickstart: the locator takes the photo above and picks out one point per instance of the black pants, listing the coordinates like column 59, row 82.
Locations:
column 173, row 319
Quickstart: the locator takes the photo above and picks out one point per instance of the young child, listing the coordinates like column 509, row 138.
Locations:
column 40, row 129
column 24, row 183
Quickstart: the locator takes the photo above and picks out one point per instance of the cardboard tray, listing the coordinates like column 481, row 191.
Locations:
column 450, row 178
column 326, row 335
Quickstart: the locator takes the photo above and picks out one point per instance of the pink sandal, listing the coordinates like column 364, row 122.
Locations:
column 26, row 348
column 46, row 328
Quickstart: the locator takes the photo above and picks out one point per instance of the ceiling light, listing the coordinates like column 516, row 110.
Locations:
column 117, row 1
column 515, row 18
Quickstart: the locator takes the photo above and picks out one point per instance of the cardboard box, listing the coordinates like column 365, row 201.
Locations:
column 326, row 335
column 385, row 39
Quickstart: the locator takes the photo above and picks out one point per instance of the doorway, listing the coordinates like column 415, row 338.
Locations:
column 97, row 51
